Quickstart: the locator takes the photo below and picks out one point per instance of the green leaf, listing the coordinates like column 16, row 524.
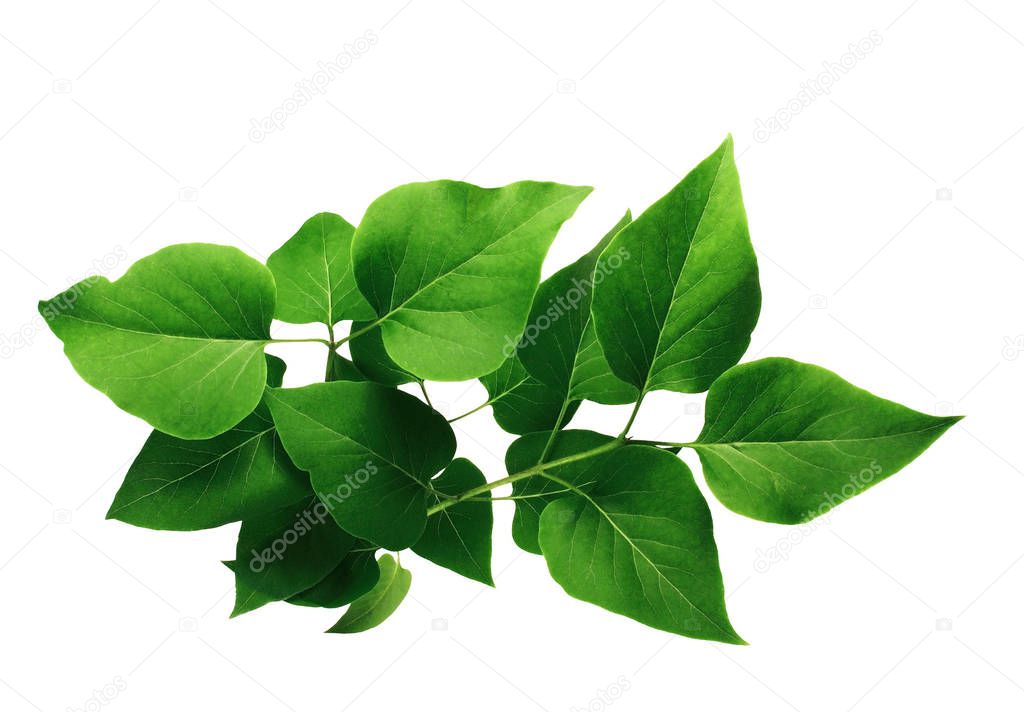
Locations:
column 198, row 484
column 552, row 343
column 786, row 441
column 290, row 549
column 522, row 404
column 451, row 269
column 351, row 579
column 592, row 378
column 370, row 451
column 340, row 368
column 247, row 599
column 459, row 537
column 314, row 278
column 638, row 541
column 538, row 492
column 371, row 358
column 376, row 606
column 177, row 341
column 680, row 309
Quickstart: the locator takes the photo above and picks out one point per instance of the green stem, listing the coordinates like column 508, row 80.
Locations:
column 470, row 412
column 426, row 396
column 554, row 430
column 359, row 332
column 632, row 416
column 325, row 342
column 528, row 472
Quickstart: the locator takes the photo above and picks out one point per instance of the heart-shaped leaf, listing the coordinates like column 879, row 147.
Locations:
column 178, row 340
column 451, row 269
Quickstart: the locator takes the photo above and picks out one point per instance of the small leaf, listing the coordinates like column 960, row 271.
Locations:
column 199, row 484
column 340, row 368
column 638, row 541
column 680, row 309
column 786, row 441
column 177, row 341
column 538, row 492
column 593, row 379
column 376, row 606
column 370, row 451
column 522, row 404
column 459, row 537
column 247, row 599
column 313, row 271
column 371, row 358
column 551, row 348
column 452, row 268
column 352, row 578
column 290, row 549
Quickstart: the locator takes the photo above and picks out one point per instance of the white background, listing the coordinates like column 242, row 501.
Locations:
column 125, row 127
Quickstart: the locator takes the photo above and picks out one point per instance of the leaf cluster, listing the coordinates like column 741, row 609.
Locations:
column 440, row 281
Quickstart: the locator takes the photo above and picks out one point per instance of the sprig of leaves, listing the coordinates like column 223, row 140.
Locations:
column 441, row 281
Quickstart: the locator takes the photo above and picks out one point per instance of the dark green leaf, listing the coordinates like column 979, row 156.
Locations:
column 197, row 484
column 370, row 451
column 638, row 541
column 786, row 441
column 537, row 492
column 551, row 348
column 679, row 309
column 340, row 368
column 371, row 358
column 247, row 599
column 178, row 340
column 521, row 403
column 376, row 606
column 459, row 537
column 290, row 549
column 352, row 578
column 314, row 278
column 452, row 268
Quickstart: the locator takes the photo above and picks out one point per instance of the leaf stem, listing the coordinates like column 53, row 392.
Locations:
column 470, row 412
column 426, row 396
column 528, row 472
column 554, row 430
column 325, row 342
column 359, row 332
column 632, row 416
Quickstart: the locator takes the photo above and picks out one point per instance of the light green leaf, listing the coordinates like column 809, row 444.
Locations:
column 522, row 404
column 314, row 278
column 638, row 541
column 178, row 340
column 551, row 348
column 459, row 537
column 376, row 606
column 371, row 358
column 680, row 309
column 370, row 451
column 538, row 492
column 452, row 268
column 198, row 484
column 355, row 576
column 786, row 441
column 290, row 549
